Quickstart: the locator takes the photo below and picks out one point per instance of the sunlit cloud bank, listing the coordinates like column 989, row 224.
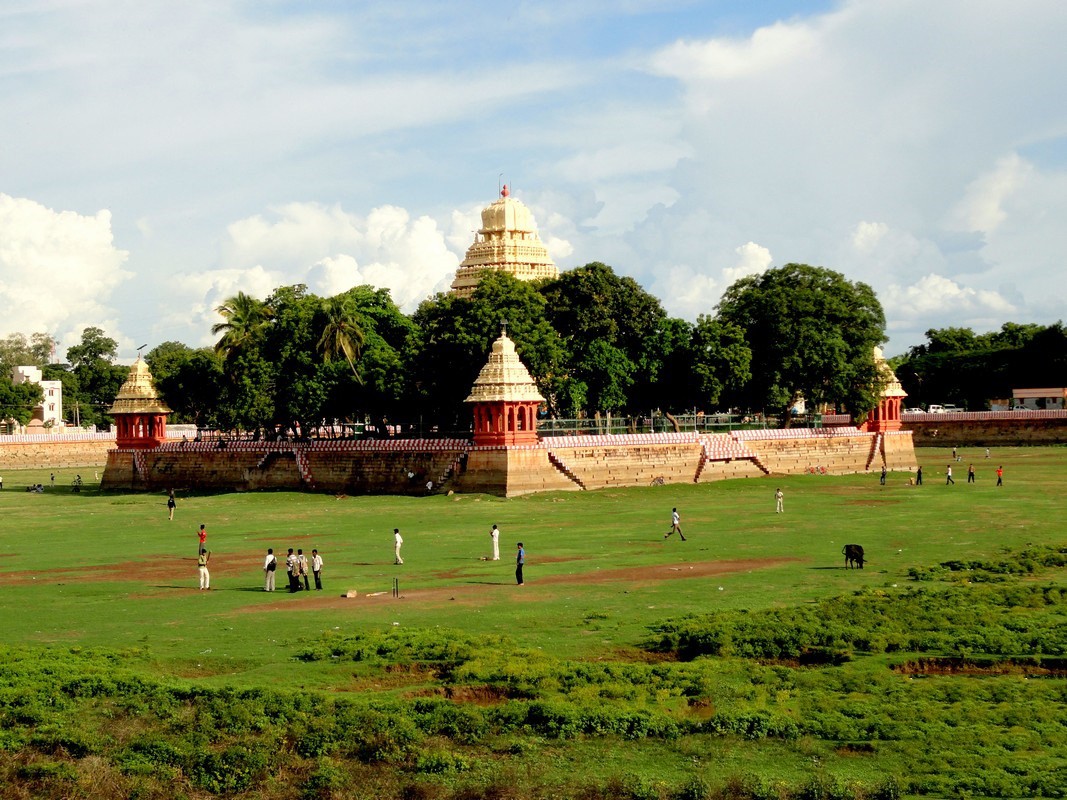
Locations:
column 57, row 270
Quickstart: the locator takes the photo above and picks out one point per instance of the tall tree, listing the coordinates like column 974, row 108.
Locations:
column 616, row 336
column 812, row 334
column 455, row 334
column 721, row 360
column 99, row 379
column 244, row 319
column 190, row 381
column 341, row 332
column 17, row 401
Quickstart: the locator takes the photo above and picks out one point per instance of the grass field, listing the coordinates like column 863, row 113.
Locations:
column 104, row 584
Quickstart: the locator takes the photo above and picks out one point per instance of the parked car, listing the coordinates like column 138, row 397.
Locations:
column 935, row 409
column 951, row 409
column 914, row 411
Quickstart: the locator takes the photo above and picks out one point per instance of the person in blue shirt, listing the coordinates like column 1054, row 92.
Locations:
column 520, row 559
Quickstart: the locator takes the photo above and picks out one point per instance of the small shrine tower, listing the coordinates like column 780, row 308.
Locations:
column 886, row 415
column 504, row 399
column 508, row 242
column 140, row 416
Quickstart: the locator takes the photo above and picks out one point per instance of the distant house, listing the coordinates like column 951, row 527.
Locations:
column 48, row 415
column 1035, row 399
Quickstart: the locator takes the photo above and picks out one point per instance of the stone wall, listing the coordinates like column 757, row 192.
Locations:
column 567, row 463
column 1010, row 429
column 329, row 467
column 53, row 453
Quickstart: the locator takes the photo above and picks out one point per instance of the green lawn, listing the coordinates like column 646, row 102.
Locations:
column 105, row 573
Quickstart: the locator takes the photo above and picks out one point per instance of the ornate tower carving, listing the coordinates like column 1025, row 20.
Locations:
column 507, row 241
column 886, row 415
column 505, row 399
column 140, row 416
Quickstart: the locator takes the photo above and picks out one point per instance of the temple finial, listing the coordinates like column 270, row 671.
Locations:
column 503, row 327
column 505, row 191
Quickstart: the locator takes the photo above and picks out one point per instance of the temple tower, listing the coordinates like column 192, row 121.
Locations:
column 507, row 241
column 886, row 415
column 140, row 416
column 504, row 399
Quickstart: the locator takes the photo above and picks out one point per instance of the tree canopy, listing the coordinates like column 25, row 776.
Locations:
column 592, row 340
column 812, row 334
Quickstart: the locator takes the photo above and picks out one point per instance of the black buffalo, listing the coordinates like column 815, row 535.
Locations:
column 853, row 555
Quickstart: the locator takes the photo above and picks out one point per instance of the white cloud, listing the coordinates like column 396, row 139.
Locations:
column 982, row 207
column 332, row 250
column 768, row 48
column 753, row 260
column 57, row 269
column 937, row 298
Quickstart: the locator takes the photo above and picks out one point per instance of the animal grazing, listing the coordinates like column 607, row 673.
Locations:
column 853, row 554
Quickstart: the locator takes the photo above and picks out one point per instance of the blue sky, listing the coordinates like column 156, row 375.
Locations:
column 158, row 157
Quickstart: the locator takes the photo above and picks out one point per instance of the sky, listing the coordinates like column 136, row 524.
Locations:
column 158, row 157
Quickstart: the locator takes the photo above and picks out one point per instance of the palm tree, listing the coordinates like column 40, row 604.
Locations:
column 245, row 317
column 341, row 333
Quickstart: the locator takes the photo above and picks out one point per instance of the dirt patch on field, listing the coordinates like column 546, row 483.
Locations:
column 1042, row 668
column 470, row 592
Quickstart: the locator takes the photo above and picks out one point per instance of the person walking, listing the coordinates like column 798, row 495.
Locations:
column 520, row 561
column 494, row 534
column 882, row 479
column 316, row 568
column 970, row 473
column 291, row 570
column 676, row 525
column 302, row 567
column 1000, row 476
column 201, row 563
column 948, row 475
column 779, row 502
column 270, row 566
column 919, row 476
column 170, row 504
column 398, row 540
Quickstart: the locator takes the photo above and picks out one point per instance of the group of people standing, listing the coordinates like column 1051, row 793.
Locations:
column 298, row 567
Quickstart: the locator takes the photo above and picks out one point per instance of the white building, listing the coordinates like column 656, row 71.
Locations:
column 49, row 414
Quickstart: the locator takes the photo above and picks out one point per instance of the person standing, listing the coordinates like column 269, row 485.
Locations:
column 202, row 536
column 302, row 567
column 676, row 525
column 882, row 479
column 291, row 570
column 779, row 501
column 970, row 473
column 270, row 566
column 1, row 483
column 987, row 452
column 948, row 475
column 919, row 476
column 316, row 567
column 201, row 563
column 494, row 534
column 170, row 504
column 1000, row 476
column 398, row 540
column 954, row 456
column 520, row 560
column 52, row 479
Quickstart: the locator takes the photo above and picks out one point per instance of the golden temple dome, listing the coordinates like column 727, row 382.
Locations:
column 504, row 377
column 508, row 242
column 138, row 394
